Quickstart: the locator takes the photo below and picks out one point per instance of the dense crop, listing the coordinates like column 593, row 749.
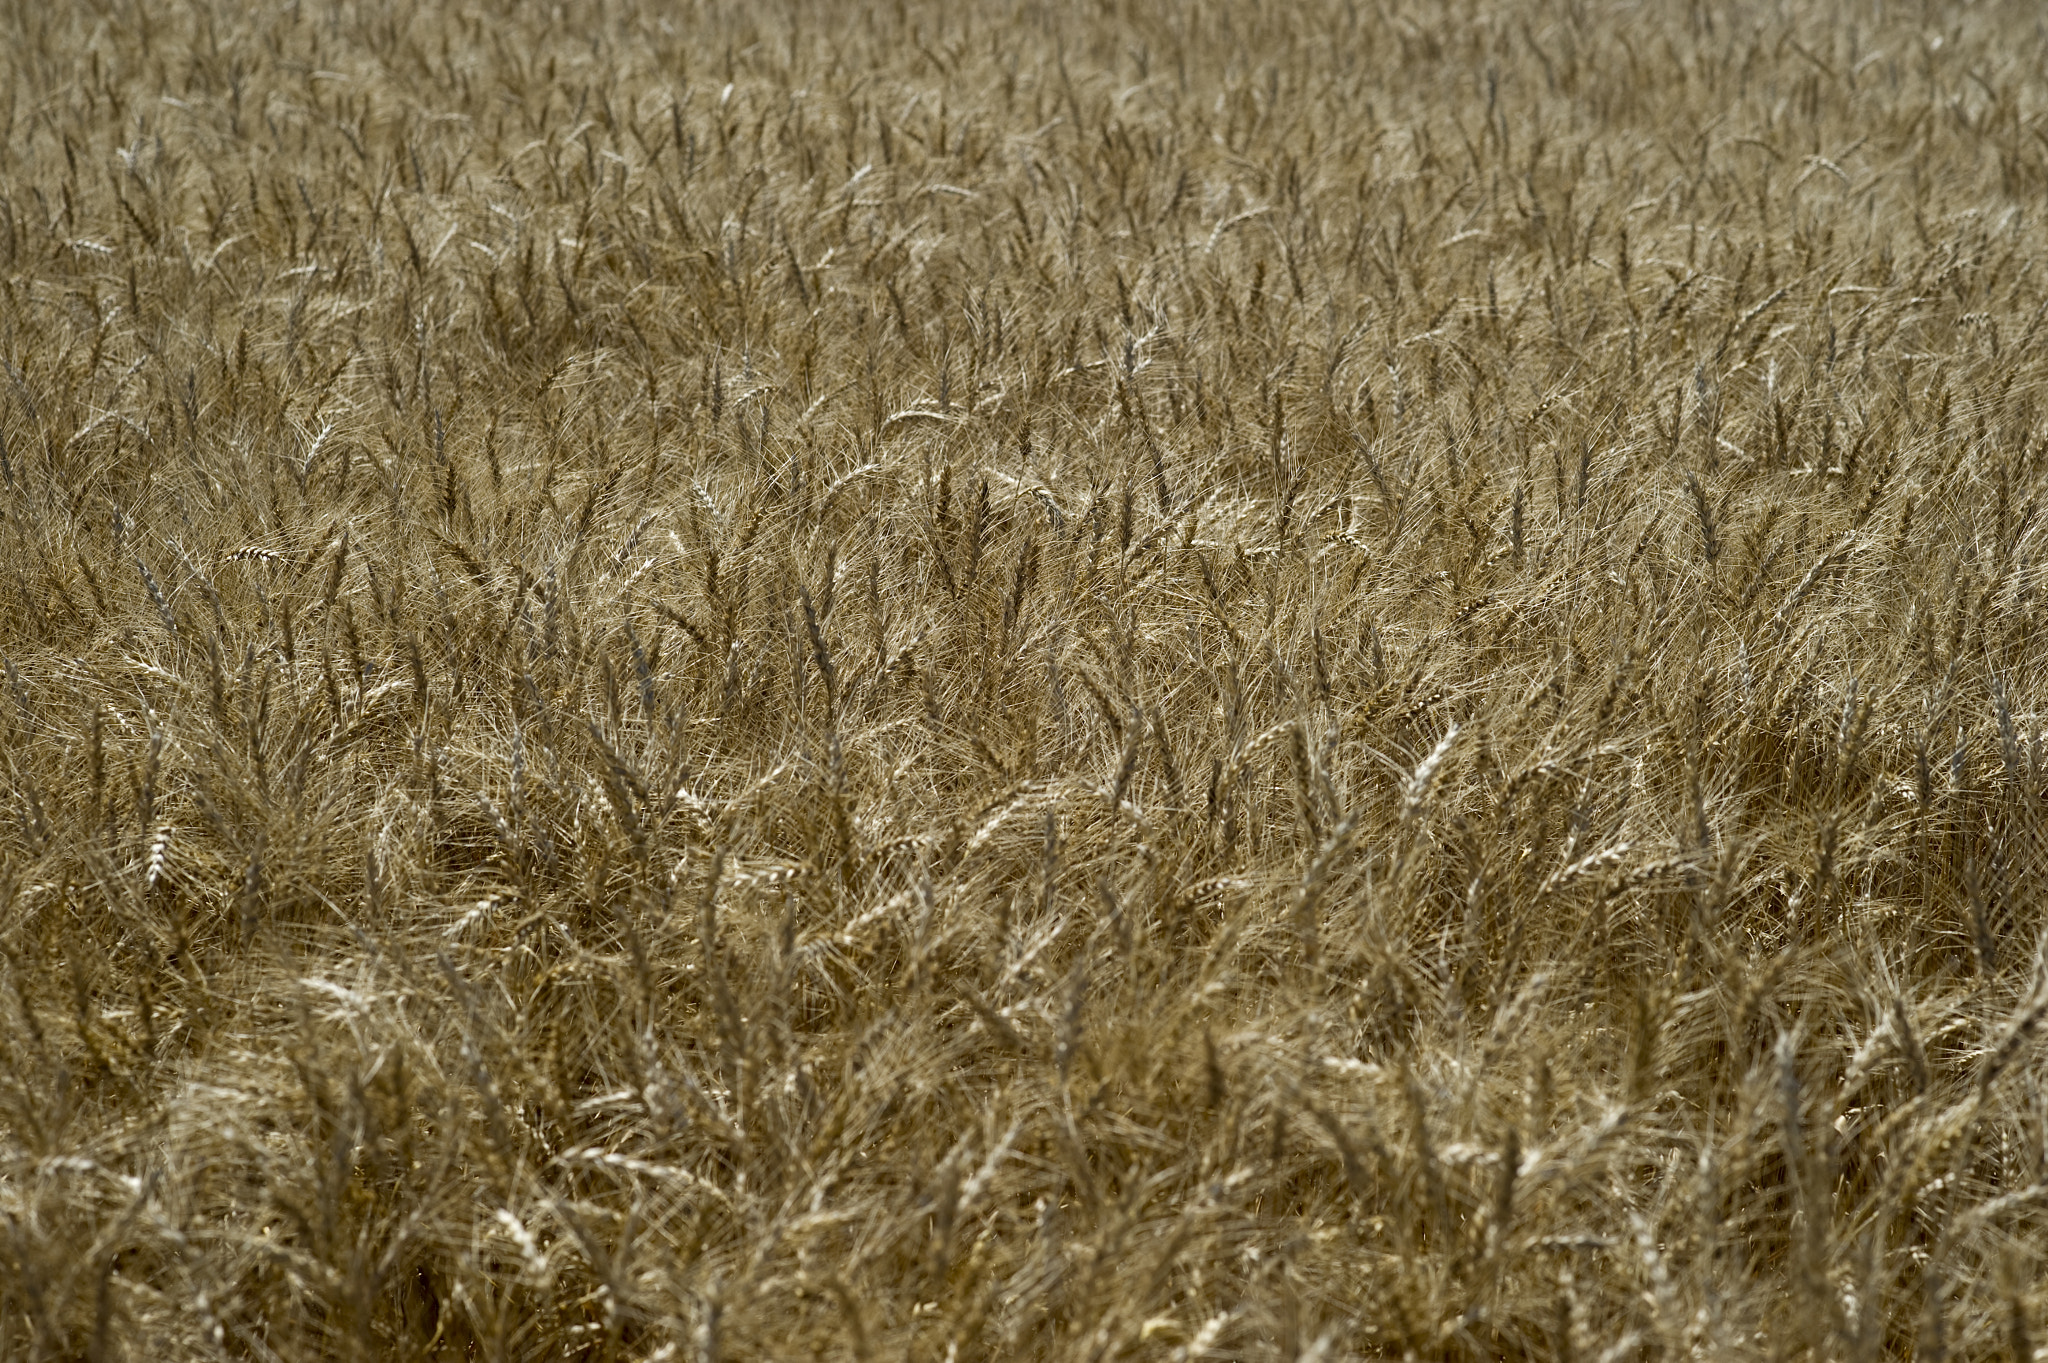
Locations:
column 955, row 681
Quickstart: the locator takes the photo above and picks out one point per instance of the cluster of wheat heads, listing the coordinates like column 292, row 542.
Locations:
column 1187, row 681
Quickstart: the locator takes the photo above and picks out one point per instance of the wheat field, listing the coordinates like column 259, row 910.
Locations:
column 1271, row 681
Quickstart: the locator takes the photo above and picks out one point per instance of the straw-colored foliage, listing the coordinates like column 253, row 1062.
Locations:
column 957, row 681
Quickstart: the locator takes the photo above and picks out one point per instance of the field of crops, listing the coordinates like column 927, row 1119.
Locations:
column 1010, row 681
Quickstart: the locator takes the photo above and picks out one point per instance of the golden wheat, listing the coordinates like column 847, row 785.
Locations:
column 1265, row 681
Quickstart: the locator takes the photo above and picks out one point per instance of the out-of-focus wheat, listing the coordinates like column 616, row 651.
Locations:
column 1196, row 681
